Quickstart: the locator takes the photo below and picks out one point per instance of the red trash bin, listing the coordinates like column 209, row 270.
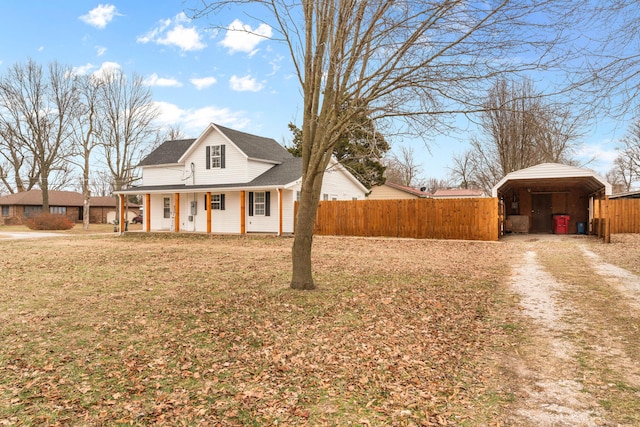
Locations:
column 561, row 224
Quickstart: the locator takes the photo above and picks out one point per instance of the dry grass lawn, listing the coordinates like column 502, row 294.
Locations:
column 202, row 330
column 166, row 329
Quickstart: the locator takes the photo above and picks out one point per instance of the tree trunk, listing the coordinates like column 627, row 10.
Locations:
column 302, row 277
column 86, row 192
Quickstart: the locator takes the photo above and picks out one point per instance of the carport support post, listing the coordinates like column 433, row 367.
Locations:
column 121, row 221
column 607, row 221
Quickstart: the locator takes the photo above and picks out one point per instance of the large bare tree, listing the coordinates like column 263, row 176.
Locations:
column 37, row 107
column 412, row 60
column 125, row 126
column 520, row 128
column 84, row 135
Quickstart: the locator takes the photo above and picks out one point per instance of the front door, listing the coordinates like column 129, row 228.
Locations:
column 542, row 221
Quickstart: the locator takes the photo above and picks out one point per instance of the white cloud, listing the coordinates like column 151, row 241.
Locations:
column 172, row 32
column 242, row 38
column 204, row 82
column 106, row 69
column 82, row 70
column 101, row 50
column 100, row 16
column 599, row 155
column 154, row 80
column 194, row 121
column 245, row 84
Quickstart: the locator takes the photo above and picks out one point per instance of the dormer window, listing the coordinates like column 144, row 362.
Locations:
column 215, row 157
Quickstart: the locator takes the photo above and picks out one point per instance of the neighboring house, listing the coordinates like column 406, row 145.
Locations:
column 17, row 207
column 457, row 193
column 396, row 191
column 226, row 181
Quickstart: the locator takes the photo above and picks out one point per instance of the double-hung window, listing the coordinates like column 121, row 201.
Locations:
column 5, row 210
column 258, row 203
column 217, row 202
column 215, row 157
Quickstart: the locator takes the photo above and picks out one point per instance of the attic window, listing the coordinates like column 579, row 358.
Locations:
column 215, row 157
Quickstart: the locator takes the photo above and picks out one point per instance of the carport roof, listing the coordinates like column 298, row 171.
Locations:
column 553, row 174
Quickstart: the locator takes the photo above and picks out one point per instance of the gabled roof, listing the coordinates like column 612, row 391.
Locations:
column 253, row 146
column 56, row 198
column 553, row 173
column 410, row 190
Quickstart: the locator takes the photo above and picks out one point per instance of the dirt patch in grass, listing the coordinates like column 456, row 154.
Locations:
column 195, row 329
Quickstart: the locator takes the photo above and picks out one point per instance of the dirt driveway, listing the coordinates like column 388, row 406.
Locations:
column 579, row 363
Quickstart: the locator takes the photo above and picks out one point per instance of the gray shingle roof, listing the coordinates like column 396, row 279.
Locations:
column 256, row 147
column 168, row 152
column 284, row 173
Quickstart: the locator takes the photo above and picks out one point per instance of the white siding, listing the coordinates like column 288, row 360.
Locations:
column 288, row 200
column 169, row 175
column 255, row 168
column 158, row 222
column 235, row 170
column 337, row 183
column 263, row 223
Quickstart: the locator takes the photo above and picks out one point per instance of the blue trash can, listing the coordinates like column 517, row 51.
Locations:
column 582, row 227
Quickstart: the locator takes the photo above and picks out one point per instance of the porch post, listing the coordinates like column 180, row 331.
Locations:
column 243, row 216
column 176, row 210
column 280, row 211
column 147, row 212
column 207, row 207
column 121, row 220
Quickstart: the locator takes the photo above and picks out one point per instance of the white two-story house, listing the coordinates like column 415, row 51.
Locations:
column 226, row 181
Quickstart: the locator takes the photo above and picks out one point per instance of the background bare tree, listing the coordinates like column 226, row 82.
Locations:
column 520, row 128
column 125, row 126
column 101, row 183
column 463, row 170
column 626, row 167
column 411, row 60
column 37, row 109
column 84, row 136
column 402, row 167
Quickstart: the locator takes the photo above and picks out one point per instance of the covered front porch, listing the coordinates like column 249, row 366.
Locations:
column 218, row 211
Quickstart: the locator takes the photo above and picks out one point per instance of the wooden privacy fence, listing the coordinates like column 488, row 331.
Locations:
column 467, row 219
column 624, row 215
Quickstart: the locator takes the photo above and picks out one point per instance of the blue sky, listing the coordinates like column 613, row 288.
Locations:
column 199, row 75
